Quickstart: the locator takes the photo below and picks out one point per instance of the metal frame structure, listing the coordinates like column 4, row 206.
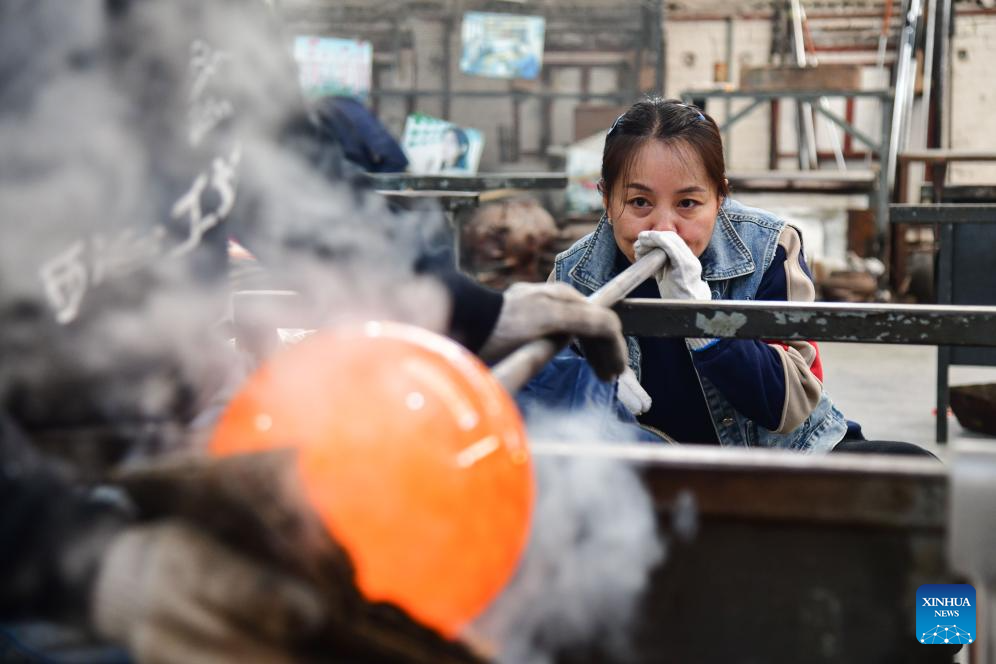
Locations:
column 946, row 217
column 880, row 147
column 936, row 162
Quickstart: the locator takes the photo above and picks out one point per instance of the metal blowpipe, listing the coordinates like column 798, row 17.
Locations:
column 515, row 370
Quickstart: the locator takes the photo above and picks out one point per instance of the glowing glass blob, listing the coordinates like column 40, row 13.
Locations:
column 412, row 454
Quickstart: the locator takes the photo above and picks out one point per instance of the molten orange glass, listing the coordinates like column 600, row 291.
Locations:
column 412, row 454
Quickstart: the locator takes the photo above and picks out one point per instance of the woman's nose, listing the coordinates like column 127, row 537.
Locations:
column 664, row 222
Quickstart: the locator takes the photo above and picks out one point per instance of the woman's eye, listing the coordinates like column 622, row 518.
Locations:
column 639, row 202
column 687, row 203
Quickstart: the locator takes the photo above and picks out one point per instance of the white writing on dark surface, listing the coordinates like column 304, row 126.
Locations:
column 65, row 280
column 222, row 180
column 206, row 111
column 101, row 257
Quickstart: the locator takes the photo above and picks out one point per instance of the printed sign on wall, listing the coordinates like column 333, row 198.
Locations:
column 438, row 146
column 330, row 66
column 502, row 45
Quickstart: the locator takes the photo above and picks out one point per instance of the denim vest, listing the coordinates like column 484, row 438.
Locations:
column 741, row 249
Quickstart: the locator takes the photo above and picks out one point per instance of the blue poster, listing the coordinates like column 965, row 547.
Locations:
column 502, row 45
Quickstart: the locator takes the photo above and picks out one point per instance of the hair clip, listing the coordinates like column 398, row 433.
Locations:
column 698, row 112
column 616, row 123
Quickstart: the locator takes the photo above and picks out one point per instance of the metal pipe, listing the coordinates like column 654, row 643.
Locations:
column 660, row 71
column 807, row 130
column 515, row 370
column 883, row 38
column 447, row 65
column 928, row 69
column 944, row 31
column 905, row 79
column 838, row 151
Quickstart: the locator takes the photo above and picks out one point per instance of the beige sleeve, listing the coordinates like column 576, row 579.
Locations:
column 802, row 388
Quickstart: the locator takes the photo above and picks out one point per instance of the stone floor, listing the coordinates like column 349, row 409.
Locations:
column 891, row 390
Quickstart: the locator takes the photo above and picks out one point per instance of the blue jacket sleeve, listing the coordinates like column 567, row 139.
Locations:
column 775, row 384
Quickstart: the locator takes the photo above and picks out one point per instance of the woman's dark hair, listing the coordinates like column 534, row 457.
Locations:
column 668, row 120
column 463, row 141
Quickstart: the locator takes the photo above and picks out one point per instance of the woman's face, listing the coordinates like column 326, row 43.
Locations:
column 666, row 189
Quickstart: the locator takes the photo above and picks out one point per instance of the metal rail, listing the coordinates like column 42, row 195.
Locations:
column 811, row 95
column 943, row 213
column 479, row 182
column 618, row 97
column 931, row 325
column 451, row 201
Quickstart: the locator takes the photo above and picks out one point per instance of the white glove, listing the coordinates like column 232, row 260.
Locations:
column 681, row 276
column 631, row 393
column 533, row 311
column 172, row 594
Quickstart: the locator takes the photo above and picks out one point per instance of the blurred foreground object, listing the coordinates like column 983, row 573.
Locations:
column 171, row 593
column 232, row 561
column 972, row 535
column 410, row 452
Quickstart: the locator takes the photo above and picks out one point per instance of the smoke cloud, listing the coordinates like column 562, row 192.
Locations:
column 593, row 545
column 137, row 137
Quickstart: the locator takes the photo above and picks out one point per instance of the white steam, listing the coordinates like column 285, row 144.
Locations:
column 593, row 545
column 106, row 123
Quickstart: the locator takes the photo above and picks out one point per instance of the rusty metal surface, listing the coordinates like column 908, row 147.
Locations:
column 479, row 182
column 795, row 558
column 824, row 321
column 864, row 323
column 782, row 486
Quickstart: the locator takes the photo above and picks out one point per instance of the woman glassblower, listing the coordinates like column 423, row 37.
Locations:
column 664, row 187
